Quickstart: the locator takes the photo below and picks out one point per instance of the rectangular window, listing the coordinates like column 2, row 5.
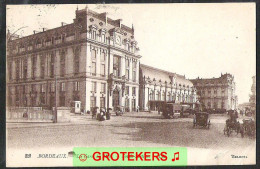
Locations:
column 133, row 92
column 103, row 87
column 62, row 87
column 134, row 65
column 134, row 76
column 127, row 90
column 103, row 57
column 76, row 86
column 116, row 66
column 127, row 103
column 94, row 35
column 76, row 60
column 10, row 70
column 52, row 66
column 93, row 54
column 33, row 88
column 102, row 102
column 92, row 102
column 127, row 74
column 102, row 70
column 42, row 66
column 25, row 69
column 93, row 69
column 94, row 86
column 127, row 63
column 42, row 99
column 103, row 38
column 62, row 65
column 52, row 87
column 42, row 88
column 17, row 65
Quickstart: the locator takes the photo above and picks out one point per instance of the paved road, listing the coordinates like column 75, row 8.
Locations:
column 132, row 130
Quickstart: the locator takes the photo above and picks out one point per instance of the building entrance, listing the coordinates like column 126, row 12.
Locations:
column 115, row 98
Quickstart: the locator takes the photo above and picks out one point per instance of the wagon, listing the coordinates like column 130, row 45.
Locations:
column 233, row 125
column 171, row 110
column 249, row 127
column 201, row 119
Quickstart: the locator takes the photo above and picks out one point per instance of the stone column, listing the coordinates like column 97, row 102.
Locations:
column 146, row 97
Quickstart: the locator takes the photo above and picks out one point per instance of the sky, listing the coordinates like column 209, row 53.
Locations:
column 195, row 40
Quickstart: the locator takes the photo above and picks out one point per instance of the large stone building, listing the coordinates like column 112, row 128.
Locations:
column 94, row 59
column 158, row 85
column 217, row 93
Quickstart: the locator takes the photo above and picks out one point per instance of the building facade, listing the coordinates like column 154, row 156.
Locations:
column 252, row 97
column 94, row 60
column 217, row 93
column 158, row 85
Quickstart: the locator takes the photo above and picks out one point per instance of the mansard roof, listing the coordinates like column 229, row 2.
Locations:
column 224, row 78
column 164, row 76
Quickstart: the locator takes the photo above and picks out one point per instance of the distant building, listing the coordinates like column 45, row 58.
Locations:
column 94, row 59
column 158, row 85
column 217, row 93
column 252, row 96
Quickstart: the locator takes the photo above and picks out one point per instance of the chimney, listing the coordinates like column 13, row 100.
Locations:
column 33, row 32
column 43, row 29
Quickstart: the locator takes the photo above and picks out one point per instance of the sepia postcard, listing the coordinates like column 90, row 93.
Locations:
column 130, row 84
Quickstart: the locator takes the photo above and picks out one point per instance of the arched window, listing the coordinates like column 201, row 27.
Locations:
column 163, row 96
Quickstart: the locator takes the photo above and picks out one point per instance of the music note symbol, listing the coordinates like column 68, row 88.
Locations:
column 177, row 158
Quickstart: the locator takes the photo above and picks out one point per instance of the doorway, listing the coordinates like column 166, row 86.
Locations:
column 115, row 98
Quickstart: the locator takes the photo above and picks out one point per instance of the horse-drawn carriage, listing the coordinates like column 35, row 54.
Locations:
column 171, row 110
column 201, row 119
column 249, row 127
column 232, row 124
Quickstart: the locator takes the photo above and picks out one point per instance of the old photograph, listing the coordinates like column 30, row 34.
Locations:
column 131, row 75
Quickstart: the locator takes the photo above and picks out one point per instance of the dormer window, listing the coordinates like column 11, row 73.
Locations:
column 30, row 47
column 94, row 34
column 22, row 48
column 103, row 35
column 48, row 42
column 93, row 31
column 38, row 43
column 58, row 39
